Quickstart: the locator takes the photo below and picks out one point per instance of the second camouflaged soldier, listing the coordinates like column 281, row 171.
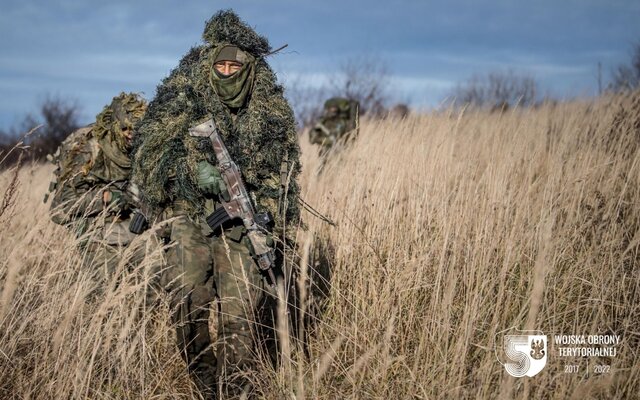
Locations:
column 226, row 81
column 92, row 174
column 338, row 123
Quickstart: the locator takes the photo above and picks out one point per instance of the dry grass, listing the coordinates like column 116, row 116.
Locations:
column 450, row 228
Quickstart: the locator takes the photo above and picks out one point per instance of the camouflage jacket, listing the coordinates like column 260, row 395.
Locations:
column 86, row 167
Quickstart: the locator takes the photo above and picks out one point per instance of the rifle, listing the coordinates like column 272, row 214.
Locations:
column 239, row 205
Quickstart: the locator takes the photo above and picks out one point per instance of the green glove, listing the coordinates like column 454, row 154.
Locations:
column 116, row 197
column 121, row 201
column 210, row 181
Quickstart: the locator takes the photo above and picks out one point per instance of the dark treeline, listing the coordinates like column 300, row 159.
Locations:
column 364, row 79
column 502, row 90
column 56, row 119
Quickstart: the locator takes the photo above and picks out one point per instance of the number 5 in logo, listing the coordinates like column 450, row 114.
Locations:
column 525, row 354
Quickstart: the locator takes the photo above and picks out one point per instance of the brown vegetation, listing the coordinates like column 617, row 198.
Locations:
column 450, row 228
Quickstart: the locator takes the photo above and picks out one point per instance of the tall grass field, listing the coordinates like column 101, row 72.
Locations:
column 451, row 229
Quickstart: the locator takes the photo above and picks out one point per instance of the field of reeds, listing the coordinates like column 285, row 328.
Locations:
column 450, row 229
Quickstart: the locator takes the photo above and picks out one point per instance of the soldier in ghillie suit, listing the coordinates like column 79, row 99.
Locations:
column 338, row 123
column 228, row 80
column 91, row 178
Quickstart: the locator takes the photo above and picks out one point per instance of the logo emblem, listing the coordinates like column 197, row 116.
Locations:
column 523, row 354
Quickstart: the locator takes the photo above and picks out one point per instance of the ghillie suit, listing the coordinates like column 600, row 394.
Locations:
column 257, row 126
column 339, row 123
column 260, row 139
column 93, row 167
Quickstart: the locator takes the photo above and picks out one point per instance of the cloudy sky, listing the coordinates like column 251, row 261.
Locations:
column 89, row 51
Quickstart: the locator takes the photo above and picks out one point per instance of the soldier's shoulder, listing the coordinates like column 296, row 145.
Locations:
column 77, row 152
column 77, row 141
column 77, row 136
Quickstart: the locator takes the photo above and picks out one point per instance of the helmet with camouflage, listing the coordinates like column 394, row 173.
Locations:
column 116, row 121
column 225, row 27
column 338, row 106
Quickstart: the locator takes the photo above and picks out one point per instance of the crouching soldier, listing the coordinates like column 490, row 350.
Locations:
column 90, row 192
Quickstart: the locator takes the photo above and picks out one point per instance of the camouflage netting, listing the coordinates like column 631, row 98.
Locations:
column 121, row 115
column 110, row 160
column 262, row 135
column 227, row 27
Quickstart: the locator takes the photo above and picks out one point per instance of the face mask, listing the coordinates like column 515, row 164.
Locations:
column 233, row 89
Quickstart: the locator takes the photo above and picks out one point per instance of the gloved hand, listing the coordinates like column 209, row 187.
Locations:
column 210, row 181
column 111, row 196
column 117, row 199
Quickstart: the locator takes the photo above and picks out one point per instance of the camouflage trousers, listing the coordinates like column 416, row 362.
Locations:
column 109, row 253
column 103, row 251
column 200, row 269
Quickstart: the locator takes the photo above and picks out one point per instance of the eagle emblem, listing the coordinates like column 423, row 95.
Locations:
column 537, row 349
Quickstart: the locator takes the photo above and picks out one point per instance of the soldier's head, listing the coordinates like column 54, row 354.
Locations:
column 234, row 51
column 232, row 74
column 229, row 60
column 117, row 120
column 331, row 112
column 337, row 107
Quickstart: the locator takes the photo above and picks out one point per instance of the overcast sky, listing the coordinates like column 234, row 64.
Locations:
column 89, row 51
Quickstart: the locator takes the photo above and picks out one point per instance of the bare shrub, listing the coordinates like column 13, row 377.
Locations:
column 496, row 91
column 365, row 79
column 400, row 110
column 626, row 77
column 306, row 100
column 58, row 117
